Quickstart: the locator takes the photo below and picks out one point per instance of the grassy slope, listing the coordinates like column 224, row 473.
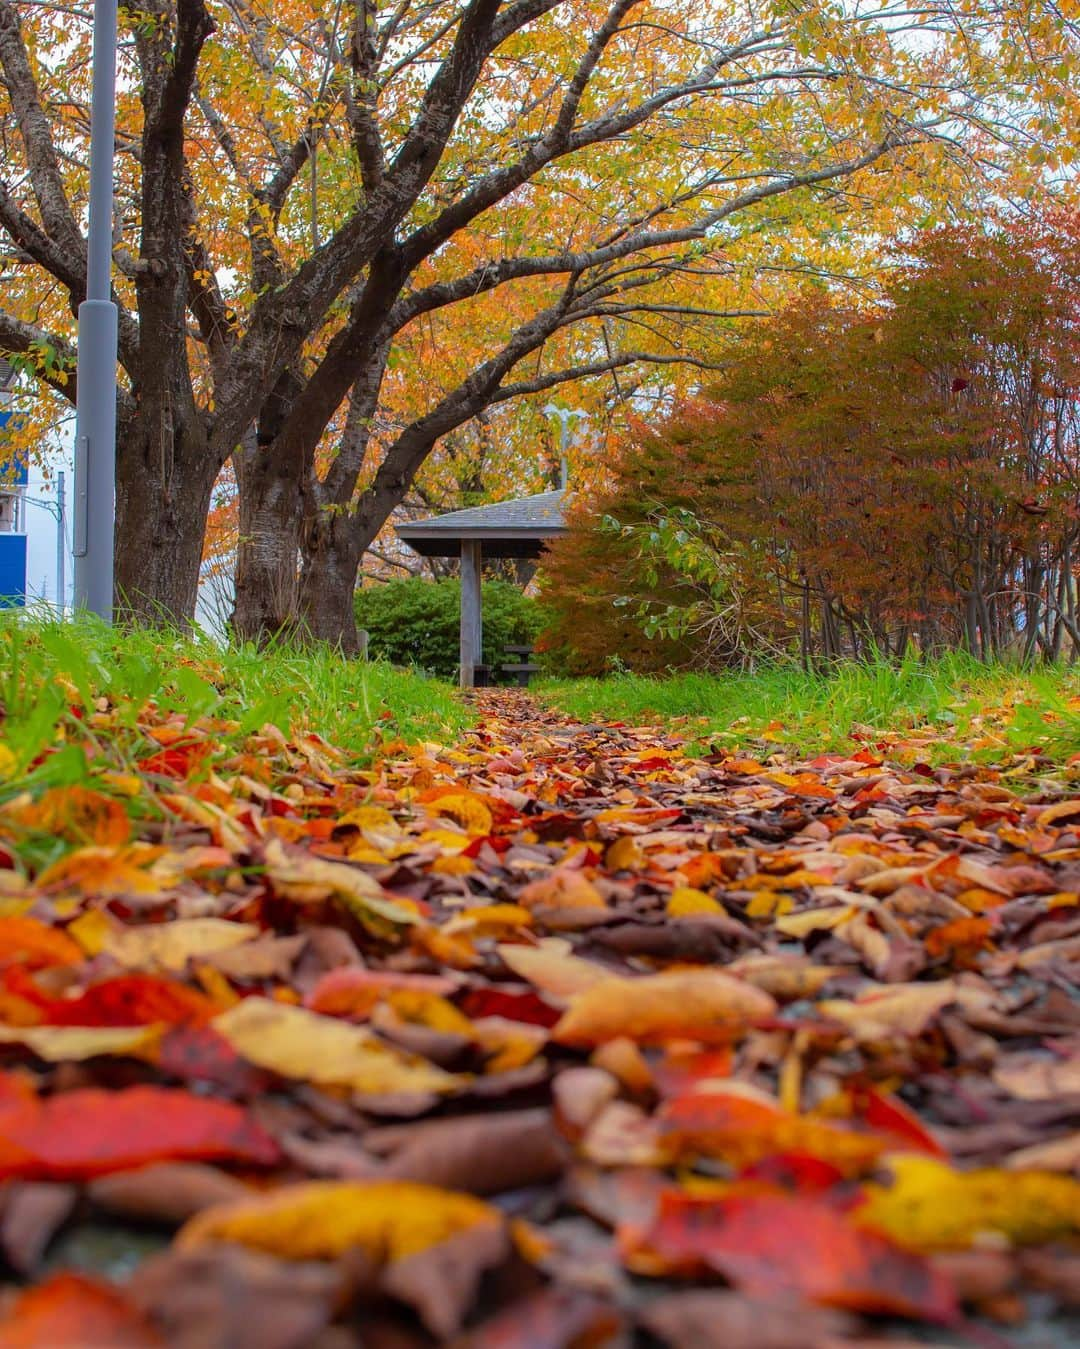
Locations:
column 54, row 674
column 939, row 705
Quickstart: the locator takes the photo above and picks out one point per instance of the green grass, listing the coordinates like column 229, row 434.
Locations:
column 54, row 675
column 938, row 707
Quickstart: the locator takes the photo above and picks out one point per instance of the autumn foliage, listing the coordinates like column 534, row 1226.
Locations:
column 859, row 478
column 558, row 1035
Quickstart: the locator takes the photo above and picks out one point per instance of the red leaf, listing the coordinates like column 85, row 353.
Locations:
column 176, row 761
column 887, row 1115
column 84, row 1133
column 200, row 1054
column 769, row 1243
column 127, row 1000
column 524, row 1005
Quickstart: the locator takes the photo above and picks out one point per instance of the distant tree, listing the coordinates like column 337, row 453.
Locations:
column 863, row 478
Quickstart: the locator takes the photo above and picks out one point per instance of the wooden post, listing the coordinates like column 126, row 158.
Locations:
column 471, row 618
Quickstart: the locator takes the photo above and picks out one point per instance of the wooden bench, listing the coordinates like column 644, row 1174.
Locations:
column 522, row 670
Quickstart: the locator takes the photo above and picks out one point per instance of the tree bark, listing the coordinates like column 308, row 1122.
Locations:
column 162, row 502
column 268, row 543
column 332, row 553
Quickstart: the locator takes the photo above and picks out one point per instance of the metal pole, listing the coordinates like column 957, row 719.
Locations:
column 61, row 549
column 95, row 414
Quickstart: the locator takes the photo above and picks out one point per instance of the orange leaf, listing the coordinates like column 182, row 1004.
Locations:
column 742, row 1130
column 36, row 945
column 354, row 990
column 78, row 814
column 562, row 889
column 70, row 1311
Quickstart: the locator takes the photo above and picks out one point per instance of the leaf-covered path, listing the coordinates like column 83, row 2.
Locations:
column 558, row 1038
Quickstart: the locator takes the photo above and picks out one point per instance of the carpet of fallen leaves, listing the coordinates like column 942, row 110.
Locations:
column 557, row 1039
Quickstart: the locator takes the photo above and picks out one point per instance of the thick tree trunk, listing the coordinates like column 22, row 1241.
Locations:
column 162, row 501
column 332, row 553
column 271, row 510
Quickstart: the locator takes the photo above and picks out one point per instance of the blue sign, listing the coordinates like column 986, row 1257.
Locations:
column 12, row 570
column 12, row 471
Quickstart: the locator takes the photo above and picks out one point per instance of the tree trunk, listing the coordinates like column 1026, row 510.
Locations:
column 332, row 553
column 268, row 545
column 162, row 501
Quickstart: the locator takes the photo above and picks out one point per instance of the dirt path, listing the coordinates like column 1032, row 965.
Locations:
column 693, row 1052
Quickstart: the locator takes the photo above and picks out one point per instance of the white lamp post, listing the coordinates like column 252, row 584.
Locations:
column 95, row 413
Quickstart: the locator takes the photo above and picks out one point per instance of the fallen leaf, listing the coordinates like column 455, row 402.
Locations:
column 31, row 1213
column 701, row 1005
column 562, row 889
column 297, row 1043
column 34, row 945
column 551, row 967
column 306, row 879
column 769, row 1244
column 165, row 1192
column 741, row 1130
column 63, row 1044
column 225, row 1297
column 170, row 946
column 89, row 1132
column 388, row 1220
column 928, row 1206
column 71, row 1311
column 712, row 1319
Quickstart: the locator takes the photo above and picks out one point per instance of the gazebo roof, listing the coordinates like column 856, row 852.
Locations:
column 517, row 528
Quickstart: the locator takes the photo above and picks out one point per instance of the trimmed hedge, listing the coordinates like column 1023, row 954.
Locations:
column 416, row 622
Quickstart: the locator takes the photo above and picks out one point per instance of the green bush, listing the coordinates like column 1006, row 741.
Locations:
column 416, row 622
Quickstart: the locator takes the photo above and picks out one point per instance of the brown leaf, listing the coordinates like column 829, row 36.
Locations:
column 226, row 1297
column 166, row 1192
column 554, row 1319
column 31, row 1213
column 482, row 1154
column 711, row 1319
column 441, row 1282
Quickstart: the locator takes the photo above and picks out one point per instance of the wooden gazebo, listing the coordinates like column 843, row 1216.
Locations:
column 518, row 528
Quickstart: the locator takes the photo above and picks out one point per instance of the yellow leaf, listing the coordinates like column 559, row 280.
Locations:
column 172, row 945
column 90, row 930
column 552, row 968
column 55, row 1044
column 448, row 840
column 624, row 855
column 689, row 1004
column 813, row 920
column 764, row 905
column 456, row 865
column 300, row 1044
column 306, row 879
column 686, row 902
column 905, row 1009
column 468, row 809
column 931, row 1207
column 485, row 919
column 387, row 1220
column 370, row 817
column 8, row 763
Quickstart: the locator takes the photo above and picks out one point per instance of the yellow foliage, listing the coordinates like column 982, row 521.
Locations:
column 387, row 1220
column 930, row 1207
column 297, row 1043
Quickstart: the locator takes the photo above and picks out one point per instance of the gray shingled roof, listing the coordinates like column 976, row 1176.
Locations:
column 515, row 528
